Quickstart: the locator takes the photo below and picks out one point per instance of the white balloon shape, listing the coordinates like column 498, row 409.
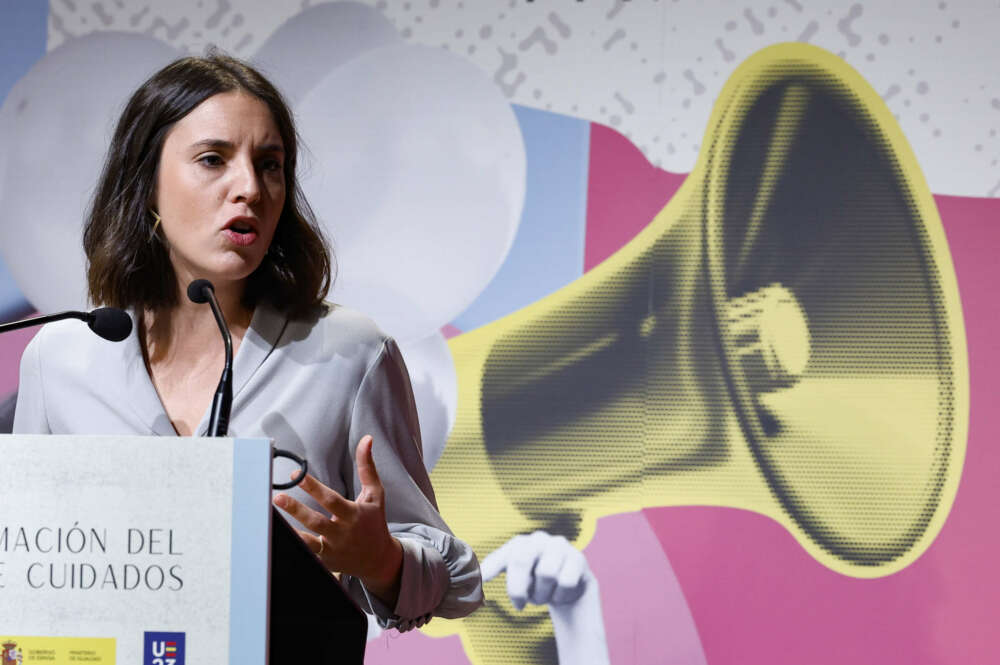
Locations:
column 59, row 120
column 419, row 179
column 307, row 46
column 435, row 390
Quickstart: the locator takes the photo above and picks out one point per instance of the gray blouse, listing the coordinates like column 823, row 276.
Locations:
column 315, row 387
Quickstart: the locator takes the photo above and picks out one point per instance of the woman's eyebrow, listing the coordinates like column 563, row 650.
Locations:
column 217, row 144
column 271, row 147
column 222, row 144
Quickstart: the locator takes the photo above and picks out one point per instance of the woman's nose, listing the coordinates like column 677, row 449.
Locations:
column 246, row 185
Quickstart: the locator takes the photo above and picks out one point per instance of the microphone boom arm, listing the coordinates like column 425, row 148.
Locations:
column 41, row 320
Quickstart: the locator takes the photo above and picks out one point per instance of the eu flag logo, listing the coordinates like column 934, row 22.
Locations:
column 163, row 649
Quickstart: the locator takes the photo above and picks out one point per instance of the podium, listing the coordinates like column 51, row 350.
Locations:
column 125, row 549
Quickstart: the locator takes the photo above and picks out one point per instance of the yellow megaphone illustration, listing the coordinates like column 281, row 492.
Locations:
column 784, row 337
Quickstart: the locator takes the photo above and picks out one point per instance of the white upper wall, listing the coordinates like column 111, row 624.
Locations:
column 652, row 68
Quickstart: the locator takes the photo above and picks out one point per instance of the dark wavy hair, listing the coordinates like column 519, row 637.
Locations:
column 127, row 265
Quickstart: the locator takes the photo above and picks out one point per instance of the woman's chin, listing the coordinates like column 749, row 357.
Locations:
column 233, row 270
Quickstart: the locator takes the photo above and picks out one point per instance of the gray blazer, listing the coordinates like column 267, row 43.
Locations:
column 316, row 387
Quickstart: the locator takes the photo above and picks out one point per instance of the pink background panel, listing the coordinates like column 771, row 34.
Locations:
column 757, row 596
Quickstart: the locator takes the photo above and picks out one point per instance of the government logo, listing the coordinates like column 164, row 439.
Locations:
column 162, row 649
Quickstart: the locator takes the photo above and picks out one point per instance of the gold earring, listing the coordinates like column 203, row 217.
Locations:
column 156, row 224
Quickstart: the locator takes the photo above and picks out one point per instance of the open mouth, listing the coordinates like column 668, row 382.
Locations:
column 241, row 232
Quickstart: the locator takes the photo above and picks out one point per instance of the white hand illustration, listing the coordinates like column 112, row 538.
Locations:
column 547, row 570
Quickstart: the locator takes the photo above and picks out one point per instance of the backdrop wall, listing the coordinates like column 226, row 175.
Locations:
column 697, row 294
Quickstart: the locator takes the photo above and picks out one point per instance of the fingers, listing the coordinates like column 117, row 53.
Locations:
column 306, row 516
column 519, row 577
column 541, row 569
column 326, row 497
column 547, row 569
column 371, row 486
column 496, row 562
column 570, row 582
column 312, row 541
column 532, row 565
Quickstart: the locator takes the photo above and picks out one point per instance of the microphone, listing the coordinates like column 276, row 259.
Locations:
column 201, row 291
column 110, row 323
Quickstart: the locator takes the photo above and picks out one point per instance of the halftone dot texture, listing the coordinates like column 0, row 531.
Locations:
column 622, row 390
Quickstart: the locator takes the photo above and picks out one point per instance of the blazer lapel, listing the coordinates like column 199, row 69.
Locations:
column 140, row 394
column 265, row 329
column 260, row 339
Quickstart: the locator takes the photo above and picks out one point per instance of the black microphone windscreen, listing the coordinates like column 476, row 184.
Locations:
column 196, row 290
column 110, row 323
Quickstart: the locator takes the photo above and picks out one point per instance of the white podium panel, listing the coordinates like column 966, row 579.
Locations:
column 145, row 550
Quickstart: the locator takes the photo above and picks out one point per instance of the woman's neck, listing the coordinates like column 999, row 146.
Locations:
column 189, row 331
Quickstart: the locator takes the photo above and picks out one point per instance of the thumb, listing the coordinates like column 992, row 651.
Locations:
column 496, row 562
column 367, row 473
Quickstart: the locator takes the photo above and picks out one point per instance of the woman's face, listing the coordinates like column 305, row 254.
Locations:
column 220, row 189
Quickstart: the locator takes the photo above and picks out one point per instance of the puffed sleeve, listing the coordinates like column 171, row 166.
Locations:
column 29, row 414
column 440, row 574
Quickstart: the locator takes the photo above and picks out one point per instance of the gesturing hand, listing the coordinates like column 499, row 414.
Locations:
column 354, row 538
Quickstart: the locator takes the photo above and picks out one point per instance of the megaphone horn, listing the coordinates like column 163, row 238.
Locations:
column 784, row 337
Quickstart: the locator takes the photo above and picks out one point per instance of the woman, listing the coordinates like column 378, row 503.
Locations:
column 199, row 182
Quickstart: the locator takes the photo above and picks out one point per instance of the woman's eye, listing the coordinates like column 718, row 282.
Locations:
column 210, row 160
column 271, row 165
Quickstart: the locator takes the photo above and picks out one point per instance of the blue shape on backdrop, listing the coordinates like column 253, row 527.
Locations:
column 23, row 37
column 547, row 253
